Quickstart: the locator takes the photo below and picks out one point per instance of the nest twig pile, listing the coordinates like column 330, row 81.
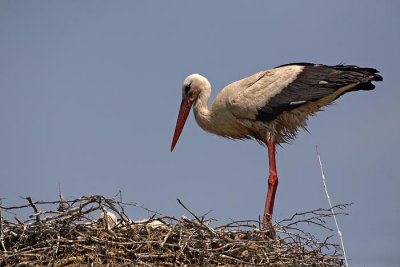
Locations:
column 86, row 232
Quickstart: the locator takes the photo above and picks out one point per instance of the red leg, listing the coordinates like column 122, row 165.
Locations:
column 272, row 183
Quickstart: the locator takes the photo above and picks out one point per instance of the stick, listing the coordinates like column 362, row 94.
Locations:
column 194, row 215
column 34, row 208
column 2, row 232
column 331, row 208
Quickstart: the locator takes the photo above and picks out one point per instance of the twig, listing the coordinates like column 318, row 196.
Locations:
column 191, row 212
column 37, row 214
column 331, row 208
column 2, row 230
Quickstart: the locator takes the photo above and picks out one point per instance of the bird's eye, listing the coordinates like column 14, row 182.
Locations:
column 187, row 89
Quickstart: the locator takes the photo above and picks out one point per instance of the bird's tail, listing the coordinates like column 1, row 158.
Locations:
column 365, row 76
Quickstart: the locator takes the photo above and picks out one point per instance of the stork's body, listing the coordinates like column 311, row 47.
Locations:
column 270, row 106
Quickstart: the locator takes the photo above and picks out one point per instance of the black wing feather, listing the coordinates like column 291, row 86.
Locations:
column 314, row 83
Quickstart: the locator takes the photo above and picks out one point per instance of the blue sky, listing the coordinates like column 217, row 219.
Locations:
column 90, row 91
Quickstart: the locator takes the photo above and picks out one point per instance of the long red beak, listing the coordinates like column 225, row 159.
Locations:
column 184, row 110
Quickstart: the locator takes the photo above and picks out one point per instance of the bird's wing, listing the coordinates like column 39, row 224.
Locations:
column 267, row 94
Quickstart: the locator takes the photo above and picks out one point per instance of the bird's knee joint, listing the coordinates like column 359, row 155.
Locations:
column 273, row 180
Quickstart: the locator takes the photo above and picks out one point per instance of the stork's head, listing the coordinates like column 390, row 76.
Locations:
column 192, row 88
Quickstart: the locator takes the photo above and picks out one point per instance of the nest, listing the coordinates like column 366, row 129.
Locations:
column 95, row 231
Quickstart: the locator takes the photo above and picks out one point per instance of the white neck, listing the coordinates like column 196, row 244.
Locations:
column 202, row 113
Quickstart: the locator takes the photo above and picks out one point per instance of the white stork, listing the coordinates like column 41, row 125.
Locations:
column 270, row 105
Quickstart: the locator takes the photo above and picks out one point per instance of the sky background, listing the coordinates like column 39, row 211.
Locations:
column 90, row 91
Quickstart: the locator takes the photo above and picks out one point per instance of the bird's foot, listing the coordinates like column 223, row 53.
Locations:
column 268, row 231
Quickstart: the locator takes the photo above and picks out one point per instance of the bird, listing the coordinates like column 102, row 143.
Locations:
column 270, row 106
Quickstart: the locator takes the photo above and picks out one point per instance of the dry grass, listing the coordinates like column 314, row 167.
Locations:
column 70, row 233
